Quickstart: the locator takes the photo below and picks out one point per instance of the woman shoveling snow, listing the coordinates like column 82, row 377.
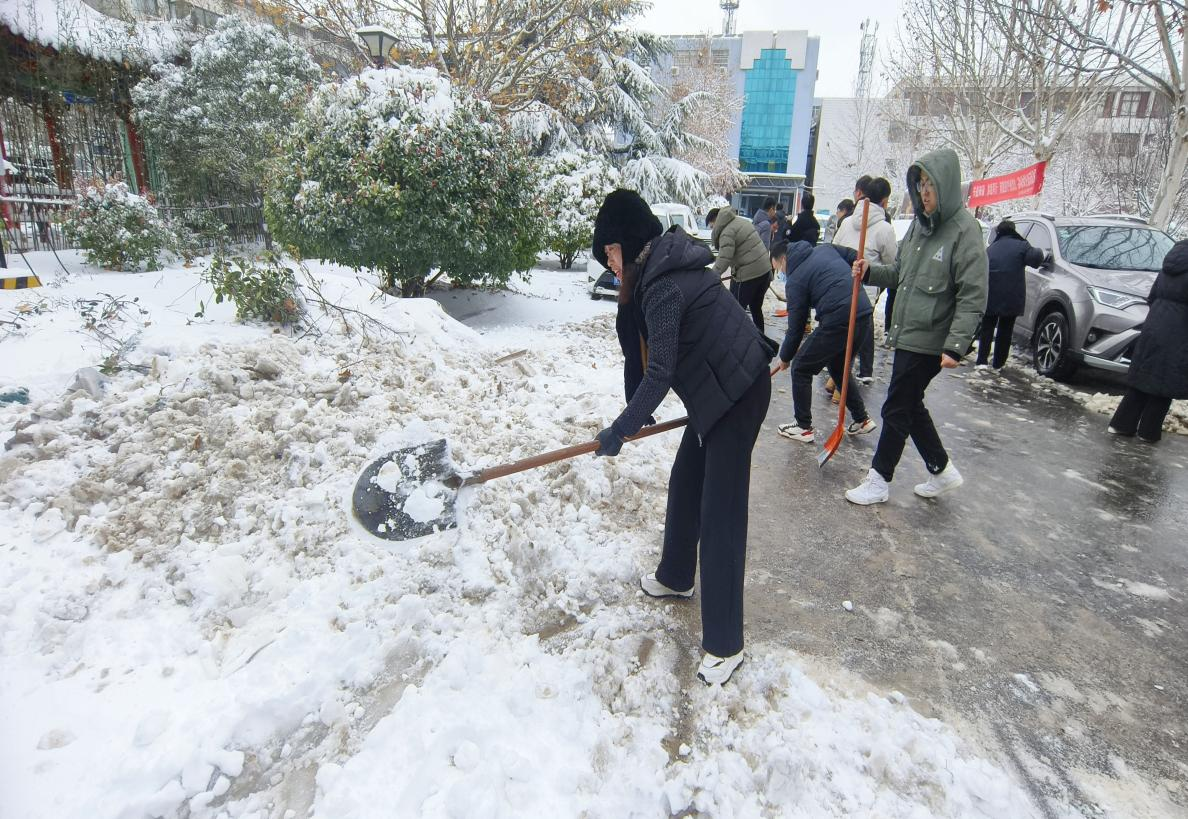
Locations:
column 696, row 340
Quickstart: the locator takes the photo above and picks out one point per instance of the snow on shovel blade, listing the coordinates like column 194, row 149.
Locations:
column 408, row 493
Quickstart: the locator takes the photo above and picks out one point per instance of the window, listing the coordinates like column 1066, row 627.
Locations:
column 1040, row 237
column 721, row 58
column 1132, row 104
column 770, row 94
column 1114, row 248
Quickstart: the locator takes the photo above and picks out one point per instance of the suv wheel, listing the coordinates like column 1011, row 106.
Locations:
column 1052, row 341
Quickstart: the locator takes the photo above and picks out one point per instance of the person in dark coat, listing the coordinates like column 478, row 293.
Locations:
column 820, row 279
column 1159, row 367
column 806, row 228
column 697, row 341
column 1008, row 254
column 763, row 220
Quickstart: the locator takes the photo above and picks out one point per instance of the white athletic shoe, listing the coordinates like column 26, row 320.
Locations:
column 862, row 427
column 944, row 481
column 654, row 588
column 717, row 670
column 865, row 380
column 872, row 490
column 795, row 433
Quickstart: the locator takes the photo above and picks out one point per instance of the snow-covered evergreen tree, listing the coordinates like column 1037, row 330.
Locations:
column 574, row 184
column 212, row 123
column 397, row 170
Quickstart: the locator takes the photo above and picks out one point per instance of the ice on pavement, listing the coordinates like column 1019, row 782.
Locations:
column 190, row 626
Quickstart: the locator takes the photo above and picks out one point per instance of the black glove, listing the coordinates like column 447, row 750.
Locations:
column 609, row 443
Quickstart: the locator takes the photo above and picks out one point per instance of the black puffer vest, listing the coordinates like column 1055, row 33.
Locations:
column 721, row 352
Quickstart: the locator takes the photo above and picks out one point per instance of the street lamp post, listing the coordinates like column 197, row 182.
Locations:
column 379, row 42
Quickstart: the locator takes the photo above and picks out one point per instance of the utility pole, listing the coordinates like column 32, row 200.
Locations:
column 866, row 57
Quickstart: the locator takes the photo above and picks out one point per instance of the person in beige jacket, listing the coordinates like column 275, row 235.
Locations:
column 741, row 250
column 881, row 248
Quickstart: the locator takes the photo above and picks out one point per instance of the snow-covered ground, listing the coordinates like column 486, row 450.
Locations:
column 191, row 626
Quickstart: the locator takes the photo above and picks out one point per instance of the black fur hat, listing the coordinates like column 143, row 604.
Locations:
column 624, row 219
column 1176, row 260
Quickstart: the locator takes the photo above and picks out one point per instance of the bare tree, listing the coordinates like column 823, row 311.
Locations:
column 996, row 79
column 514, row 53
column 1145, row 39
column 946, row 67
column 1057, row 87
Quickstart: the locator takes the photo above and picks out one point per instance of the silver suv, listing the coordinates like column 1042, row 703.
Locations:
column 1087, row 303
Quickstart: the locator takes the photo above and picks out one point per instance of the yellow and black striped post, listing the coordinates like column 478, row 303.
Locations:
column 19, row 283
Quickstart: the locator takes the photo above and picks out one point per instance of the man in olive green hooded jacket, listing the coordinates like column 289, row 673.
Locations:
column 940, row 274
column 741, row 249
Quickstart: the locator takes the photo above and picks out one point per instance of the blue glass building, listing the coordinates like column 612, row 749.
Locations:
column 776, row 74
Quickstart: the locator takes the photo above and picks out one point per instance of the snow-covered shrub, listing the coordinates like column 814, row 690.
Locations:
column 397, row 170
column 117, row 229
column 213, row 123
column 573, row 184
column 264, row 290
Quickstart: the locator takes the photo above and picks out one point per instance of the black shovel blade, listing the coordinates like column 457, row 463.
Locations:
column 408, row 493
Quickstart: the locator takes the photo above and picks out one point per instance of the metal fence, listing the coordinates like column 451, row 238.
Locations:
column 49, row 158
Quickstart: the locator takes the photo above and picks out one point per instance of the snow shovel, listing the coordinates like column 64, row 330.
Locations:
column 835, row 439
column 410, row 492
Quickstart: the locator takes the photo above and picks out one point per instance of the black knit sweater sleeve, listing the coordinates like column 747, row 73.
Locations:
column 662, row 308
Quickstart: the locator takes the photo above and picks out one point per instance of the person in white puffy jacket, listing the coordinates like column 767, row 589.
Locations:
column 881, row 248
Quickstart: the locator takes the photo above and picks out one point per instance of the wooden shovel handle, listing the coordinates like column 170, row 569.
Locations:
column 562, row 454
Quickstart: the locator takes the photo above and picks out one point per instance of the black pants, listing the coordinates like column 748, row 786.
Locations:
column 825, row 348
column 750, row 295
column 707, row 501
column 904, row 415
column 865, row 350
column 890, row 305
column 996, row 329
column 1141, row 412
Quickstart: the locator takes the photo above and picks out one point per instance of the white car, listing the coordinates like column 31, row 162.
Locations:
column 603, row 282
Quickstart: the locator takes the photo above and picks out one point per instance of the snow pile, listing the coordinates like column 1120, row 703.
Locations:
column 192, row 626
column 74, row 25
column 1099, row 402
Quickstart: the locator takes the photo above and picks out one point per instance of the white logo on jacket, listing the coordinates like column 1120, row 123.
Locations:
column 940, row 255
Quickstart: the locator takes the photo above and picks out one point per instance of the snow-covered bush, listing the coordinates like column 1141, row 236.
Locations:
column 212, row 124
column 396, row 170
column 573, row 185
column 265, row 290
column 117, row 229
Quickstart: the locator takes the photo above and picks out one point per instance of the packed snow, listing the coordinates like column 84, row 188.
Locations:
column 191, row 625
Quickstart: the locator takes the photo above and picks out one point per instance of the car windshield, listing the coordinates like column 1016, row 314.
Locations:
column 1114, row 248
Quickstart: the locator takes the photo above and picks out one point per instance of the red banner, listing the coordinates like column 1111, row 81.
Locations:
column 1027, row 182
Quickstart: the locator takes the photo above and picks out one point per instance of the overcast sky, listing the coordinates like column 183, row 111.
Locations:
column 836, row 23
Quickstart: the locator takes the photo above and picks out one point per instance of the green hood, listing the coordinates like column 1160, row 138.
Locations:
column 725, row 216
column 944, row 169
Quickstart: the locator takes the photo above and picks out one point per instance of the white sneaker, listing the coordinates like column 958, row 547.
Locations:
column 795, row 433
column 717, row 670
column 862, row 427
column 944, row 481
column 654, row 588
column 865, row 380
column 873, row 490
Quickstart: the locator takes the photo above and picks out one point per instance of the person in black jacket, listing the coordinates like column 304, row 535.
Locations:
column 697, row 341
column 1008, row 254
column 1159, row 367
column 806, row 228
column 820, row 279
